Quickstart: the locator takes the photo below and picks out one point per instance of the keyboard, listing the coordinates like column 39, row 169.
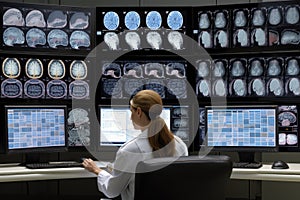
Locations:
column 246, row 165
column 53, row 165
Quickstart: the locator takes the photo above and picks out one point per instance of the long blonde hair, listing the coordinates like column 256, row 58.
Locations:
column 159, row 135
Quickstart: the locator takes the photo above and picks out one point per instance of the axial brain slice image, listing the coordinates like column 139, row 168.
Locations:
column 256, row 68
column 237, row 69
column 274, row 68
column 292, row 15
column 258, row 18
column 292, row 67
column 204, row 21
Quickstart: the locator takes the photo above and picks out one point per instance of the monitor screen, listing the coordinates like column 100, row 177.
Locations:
column 36, row 128
column 116, row 127
column 240, row 128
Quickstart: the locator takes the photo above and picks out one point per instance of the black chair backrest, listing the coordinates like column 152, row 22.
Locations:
column 189, row 177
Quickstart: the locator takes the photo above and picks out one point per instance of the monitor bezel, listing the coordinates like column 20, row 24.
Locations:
column 243, row 148
column 49, row 149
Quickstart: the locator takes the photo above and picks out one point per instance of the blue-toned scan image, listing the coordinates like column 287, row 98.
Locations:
column 132, row 20
column 111, row 20
column 175, row 20
column 153, row 20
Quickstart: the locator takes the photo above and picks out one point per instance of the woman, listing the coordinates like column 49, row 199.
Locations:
column 155, row 140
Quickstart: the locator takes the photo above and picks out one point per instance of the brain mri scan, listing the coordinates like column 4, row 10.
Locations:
column 240, row 18
column 275, row 16
column 111, row 39
column 78, row 69
column 237, row 69
column 133, row 40
column 34, row 68
column 56, row 69
column 177, row 87
column 35, row 37
column 57, row 89
column 34, row 88
column 57, row 19
column 219, row 88
column 275, row 86
column 12, row 36
column 259, row 36
column 274, row 68
column 239, row 87
column 79, row 39
column 35, row 18
column 204, row 21
column 112, row 87
column 154, row 69
column 203, row 69
column 175, row 69
column 133, row 69
column 222, row 38
column 79, row 20
column 132, row 20
column 112, row 69
column 154, row 39
column 11, row 88
column 111, row 20
column 258, row 18
column 57, row 37
column 205, row 39
column 13, row 17
column 218, row 69
column 153, row 20
column 175, row 20
column 292, row 15
column 258, row 87
column 132, row 86
column 287, row 118
column 241, row 38
column 290, row 37
column 11, row 68
column 176, row 40
column 256, row 68
column 220, row 20
column 157, row 85
column 204, row 88
column 294, row 86
column 292, row 67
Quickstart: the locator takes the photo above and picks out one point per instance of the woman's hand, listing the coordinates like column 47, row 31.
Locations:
column 91, row 166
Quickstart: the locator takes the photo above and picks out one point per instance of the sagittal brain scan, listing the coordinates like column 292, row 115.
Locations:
column 13, row 17
column 256, row 68
column 133, row 40
column 205, row 39
column 219, row 87
column 294, row 86
column 111, row 39
column 57, row 19
column 257, row 87
column 79, row 20
column 35, row 37
column 290, row 37
column 176, row 40
column 204, row 88
column 154, row 39
column 292, row 67
column 239, row 87
column 12, row 36
column 221, row 38
column 275, row 86
column 241, row 38
column 259, row 37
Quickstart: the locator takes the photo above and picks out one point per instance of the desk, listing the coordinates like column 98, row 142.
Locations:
column 266, row 173
column 13, row 173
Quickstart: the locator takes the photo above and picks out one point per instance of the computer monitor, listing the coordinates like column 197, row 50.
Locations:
column 116, row 127
column 36, row 129
column 244, row 129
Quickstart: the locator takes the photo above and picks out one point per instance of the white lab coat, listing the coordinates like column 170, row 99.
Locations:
column 121, row 179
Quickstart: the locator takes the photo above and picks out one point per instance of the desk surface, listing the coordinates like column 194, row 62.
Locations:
column 13, row 173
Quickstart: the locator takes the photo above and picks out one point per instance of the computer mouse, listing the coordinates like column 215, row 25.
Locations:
column 279, row 164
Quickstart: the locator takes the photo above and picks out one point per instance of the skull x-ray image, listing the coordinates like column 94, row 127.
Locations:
column 218, row 69
column 203, row 69
column 257, row 86
column 274, row 68
column 294, row 86
column 256, row 68
column 205, row 39
column 204, row 21
column 220, row 20
column 275, row 16
column 219, row 88
column 176, row 40
column 133, row 40
column 111, row 39
column 258, row 17
column 240, row 18
column 221, row 38
column 154, row 39
column 133, row 69
column 238, row 87
column 154, row 69
column 237, row 68
column 204, row 88
column 275, row 86
column 292, row 67
column 292, row 15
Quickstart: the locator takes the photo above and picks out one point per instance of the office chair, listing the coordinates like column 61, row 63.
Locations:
column 190, row 177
